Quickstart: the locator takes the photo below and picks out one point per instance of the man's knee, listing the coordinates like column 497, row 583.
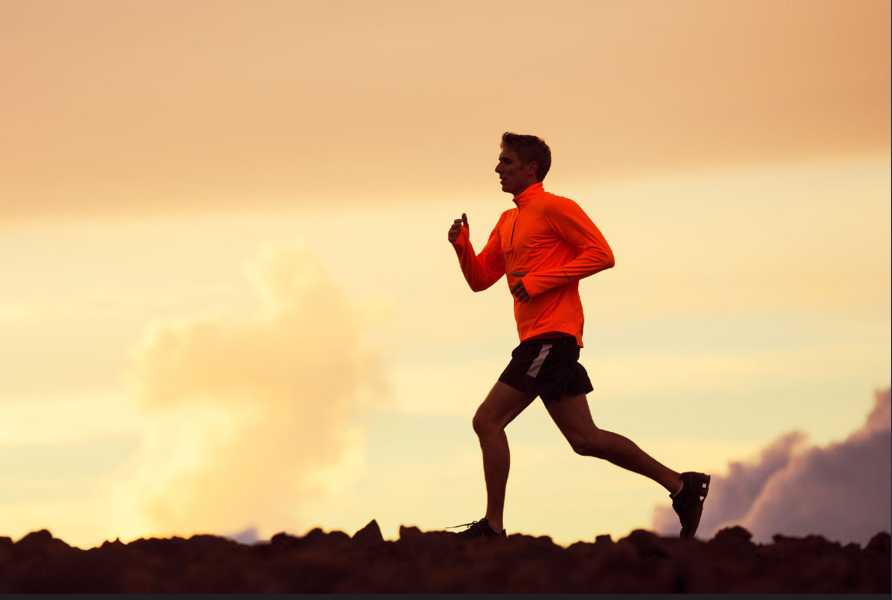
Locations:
column 484, row 424
column 587, row 446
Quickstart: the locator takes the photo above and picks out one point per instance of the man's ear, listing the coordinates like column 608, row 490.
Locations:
column 531, row 167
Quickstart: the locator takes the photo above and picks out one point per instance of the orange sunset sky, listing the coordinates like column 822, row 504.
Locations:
column 229, row 306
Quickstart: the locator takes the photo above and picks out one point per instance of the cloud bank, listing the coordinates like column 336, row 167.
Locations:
column 840, row 491
column 248, row 419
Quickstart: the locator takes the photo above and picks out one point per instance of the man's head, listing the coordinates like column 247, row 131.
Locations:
column 524, row 160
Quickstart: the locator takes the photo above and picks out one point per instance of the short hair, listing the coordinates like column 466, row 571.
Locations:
column 529, row 148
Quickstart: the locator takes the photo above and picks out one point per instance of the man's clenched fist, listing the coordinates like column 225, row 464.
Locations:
column 456, row 227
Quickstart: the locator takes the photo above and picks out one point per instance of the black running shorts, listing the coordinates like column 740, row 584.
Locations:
column 547, row 367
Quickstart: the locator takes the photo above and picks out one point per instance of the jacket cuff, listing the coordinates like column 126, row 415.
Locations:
column 461, row 241
column 532, row 284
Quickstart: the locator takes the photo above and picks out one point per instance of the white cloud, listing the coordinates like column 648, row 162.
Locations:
column 249, row 419
column 840, row 491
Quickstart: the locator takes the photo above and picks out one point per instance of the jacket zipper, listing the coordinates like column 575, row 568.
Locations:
column 513, row 227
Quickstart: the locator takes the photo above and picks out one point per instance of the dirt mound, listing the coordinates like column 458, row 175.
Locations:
column 438, row 561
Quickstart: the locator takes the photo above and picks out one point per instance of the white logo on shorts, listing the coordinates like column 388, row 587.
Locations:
column 537, row 364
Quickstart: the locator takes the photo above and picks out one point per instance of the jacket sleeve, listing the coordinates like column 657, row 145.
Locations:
column 484, row 269
column 574, row 226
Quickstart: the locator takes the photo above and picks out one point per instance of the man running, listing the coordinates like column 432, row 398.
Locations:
column 545, row 245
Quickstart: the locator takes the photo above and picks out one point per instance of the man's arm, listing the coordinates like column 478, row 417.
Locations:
column 480, row 270
column 571, row 223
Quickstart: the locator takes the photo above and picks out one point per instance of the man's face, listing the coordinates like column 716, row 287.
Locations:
column 513, row 176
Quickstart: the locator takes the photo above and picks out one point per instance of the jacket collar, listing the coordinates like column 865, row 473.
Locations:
column 528, row 194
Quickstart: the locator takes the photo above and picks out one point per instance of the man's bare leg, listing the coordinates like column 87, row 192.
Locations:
column 572, row 416
column 501, row 406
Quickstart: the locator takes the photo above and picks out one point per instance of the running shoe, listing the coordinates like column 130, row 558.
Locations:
column 688, row 503
column 478, row 529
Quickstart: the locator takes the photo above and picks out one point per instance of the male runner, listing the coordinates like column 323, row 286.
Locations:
column 545, row 245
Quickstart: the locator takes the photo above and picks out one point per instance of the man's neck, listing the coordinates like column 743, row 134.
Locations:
column 525, row 188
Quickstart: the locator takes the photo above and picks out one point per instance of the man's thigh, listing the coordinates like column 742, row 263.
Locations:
column 503, row 404
column 573, row 417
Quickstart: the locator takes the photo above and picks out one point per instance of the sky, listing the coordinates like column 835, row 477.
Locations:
column 229, row 305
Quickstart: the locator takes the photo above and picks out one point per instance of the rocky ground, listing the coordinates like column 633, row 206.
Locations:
column 438, row 561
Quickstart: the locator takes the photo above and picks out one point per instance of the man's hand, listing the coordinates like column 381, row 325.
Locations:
column 517, row 290
column 456, row 227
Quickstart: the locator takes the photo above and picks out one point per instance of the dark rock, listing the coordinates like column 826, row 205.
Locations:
column 318, row 536
column 331, row 541
column 441, row 562
column 409, row 532
column 315, row 535
column 731, row 537
column 40, row 542
column 283, row 541
column 339, row 537
column 879, row 544
column 370, row 535
column 6, row 547
column 647, row 543
column 778, row 538
column 583, row 547
column 810, row 543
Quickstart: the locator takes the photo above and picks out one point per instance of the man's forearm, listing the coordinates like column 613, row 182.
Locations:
column 477, row 273
column 593, row 260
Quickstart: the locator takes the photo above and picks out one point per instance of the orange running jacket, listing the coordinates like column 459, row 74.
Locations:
column 552, row 239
